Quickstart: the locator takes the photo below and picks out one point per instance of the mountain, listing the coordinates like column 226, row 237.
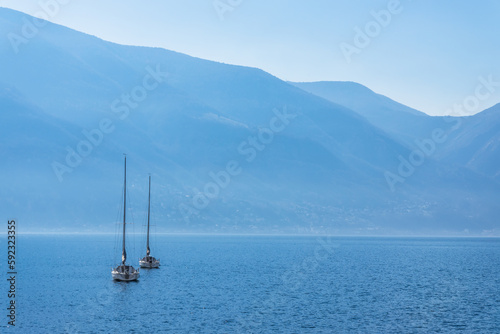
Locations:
column 403, row 123
column 471, row 141
column 231, row 149
column 476, row 143
column 357, row 97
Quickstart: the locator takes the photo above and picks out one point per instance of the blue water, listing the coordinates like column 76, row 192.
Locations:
column 235, row 284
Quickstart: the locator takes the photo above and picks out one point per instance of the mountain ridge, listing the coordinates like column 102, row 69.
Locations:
column 307, row 164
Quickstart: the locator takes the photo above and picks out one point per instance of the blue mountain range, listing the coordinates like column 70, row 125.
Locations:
column 231, row 149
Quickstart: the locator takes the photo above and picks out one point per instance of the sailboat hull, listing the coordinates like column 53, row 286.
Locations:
column 125, row 277
column 149, row 262
column 125, row 273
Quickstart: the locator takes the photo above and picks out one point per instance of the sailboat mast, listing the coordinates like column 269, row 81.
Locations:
column 124, row 253
column 149, row 211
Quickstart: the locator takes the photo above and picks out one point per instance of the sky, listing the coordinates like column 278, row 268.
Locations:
column 426, row 54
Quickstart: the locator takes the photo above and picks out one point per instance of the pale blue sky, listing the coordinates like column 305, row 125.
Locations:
column 429, row 56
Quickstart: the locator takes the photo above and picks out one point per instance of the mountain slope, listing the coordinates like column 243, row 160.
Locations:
column 230, row 148
column 404, row 123
column 476, row 143
column 471, row 142
column 356, row 97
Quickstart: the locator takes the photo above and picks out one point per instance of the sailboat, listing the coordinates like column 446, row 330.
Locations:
column 149, row 261
column 124, row 272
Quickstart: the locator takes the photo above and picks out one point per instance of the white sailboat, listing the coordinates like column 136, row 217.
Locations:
column 149, row 261
column 124, row 272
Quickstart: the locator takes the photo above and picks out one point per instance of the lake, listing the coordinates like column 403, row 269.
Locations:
column 257, row 284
